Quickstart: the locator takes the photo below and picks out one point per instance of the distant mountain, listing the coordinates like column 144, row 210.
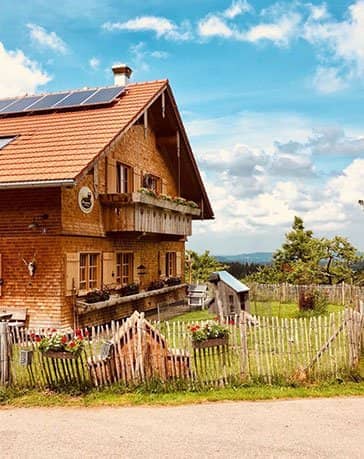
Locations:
column 255, row 257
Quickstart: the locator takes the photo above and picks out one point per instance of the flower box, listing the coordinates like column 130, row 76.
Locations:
column 212, row 342
column 61, row 355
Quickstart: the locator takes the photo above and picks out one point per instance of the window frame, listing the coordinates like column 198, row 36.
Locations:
column 8, row 138
column 157, row 180
column 119, row 274
column 171, row 264
column 89, row 280
column 128, row 179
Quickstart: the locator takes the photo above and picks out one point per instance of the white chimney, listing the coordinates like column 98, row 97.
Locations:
column 122, row 73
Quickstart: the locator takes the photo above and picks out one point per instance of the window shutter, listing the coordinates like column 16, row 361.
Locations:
column 108, row 268
column 111, row 175
column 137, row 180
column 162, row 264
column 72, row 272
column 136, row 263
column 1, row 274
column 164, row 186
column 179, row 269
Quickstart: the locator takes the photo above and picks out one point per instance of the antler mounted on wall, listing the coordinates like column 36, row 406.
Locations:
column 31, row 265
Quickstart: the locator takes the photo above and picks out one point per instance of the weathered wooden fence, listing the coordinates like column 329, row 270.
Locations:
column 344, row 294
column 135, row 351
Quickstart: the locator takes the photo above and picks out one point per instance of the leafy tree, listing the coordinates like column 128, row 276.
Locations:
column 304, row 259
column 339, row 258
column 199, row 267
column 298, row 258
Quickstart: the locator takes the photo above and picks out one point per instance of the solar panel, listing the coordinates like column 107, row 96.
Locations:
column 4, row 103
column 104, row 95
column 66, row 99
column 21, row 104
column 48, row 101
column 75, row 98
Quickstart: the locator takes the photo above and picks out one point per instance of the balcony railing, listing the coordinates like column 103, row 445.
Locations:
column 140, row 212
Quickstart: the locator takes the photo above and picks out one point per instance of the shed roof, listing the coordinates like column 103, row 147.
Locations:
column 229, row 280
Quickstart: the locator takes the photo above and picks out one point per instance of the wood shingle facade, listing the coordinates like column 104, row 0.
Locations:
column 91, row 198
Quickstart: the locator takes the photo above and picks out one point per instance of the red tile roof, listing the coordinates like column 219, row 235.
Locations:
column 60, row 145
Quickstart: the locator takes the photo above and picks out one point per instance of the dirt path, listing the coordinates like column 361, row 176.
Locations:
column 285, row 429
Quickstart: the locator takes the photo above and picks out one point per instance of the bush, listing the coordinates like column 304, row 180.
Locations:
column 312, row 302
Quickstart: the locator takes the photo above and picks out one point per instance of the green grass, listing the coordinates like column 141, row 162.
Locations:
column 194, row 315
column 116, row 396
column 259, row 308
column 284, row 310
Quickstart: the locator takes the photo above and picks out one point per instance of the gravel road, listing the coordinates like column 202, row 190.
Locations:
column 324, row 428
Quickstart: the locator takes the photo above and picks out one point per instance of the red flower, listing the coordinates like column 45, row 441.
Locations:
column 231, row 322
column 38, row 338
column 78, row 332
column 72, row 344
column 32, row 336
column 64, row 339
column 53, row 330
column 197, row 327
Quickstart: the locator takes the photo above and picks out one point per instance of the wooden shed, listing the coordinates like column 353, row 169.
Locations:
column 231, row 295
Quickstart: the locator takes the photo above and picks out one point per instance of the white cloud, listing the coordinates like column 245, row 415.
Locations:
column 47, row 39
column 19, row 75
column 347, row 188
column 237, row 8
column 328, row 141
column 341, row 43
column 328, row 80
column 159, row 54
column 161, row 26
column 214, row 26
column 279, row 32
column 94, row 63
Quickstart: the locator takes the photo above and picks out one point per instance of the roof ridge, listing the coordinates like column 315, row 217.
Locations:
column 85, row 88
column 140, row 83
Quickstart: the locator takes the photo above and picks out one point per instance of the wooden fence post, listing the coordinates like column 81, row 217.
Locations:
column 4, row 354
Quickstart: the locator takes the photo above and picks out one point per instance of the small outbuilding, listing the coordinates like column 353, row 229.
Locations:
column 232, row 294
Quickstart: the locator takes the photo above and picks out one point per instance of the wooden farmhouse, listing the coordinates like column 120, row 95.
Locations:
column 98, row 190
column 229, row 292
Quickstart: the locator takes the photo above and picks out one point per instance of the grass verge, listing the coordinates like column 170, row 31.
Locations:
column 116, row 396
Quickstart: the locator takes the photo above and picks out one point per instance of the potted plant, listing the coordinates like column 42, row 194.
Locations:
column 209, row 335
column 155, row 285
column 96, row 296
column 130, row 289
column 172, row 281
column 58, row 345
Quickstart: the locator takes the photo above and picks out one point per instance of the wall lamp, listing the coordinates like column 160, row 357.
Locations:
column 38, row 223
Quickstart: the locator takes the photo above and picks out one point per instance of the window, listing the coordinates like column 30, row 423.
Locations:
column 123, row 178
column 89, row 271
column 124, row 268
column 171, row 264
column 152, row 182
column 5, row 140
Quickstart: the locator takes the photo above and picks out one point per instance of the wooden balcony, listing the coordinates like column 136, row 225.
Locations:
column 139, row 212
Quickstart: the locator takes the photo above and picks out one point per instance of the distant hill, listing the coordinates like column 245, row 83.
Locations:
column 255, row 257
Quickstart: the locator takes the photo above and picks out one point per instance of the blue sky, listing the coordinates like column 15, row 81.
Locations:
column 271, row 94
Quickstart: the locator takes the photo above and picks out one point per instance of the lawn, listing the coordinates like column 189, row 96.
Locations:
column 259, row 308
column 117, row 396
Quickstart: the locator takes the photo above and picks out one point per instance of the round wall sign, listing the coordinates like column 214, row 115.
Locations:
column 86, row 199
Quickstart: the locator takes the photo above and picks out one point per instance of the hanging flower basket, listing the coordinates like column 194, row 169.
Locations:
column 209, row 335
column 212, row 342
column 57, row 345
